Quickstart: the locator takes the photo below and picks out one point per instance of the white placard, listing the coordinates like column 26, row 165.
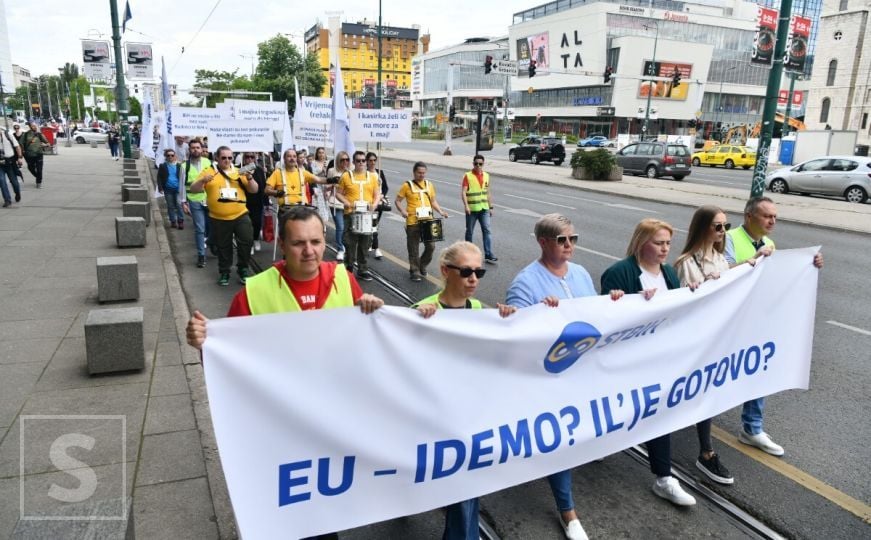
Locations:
column 140, row 62
column 312, row 135
column 240, row 136
column 270, row 112
column 384, row 125
column 315, row 110
column 317, row 440
column 194, row 121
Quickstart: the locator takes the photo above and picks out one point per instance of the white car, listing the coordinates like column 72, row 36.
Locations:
column 88, row 135
column 842, row 176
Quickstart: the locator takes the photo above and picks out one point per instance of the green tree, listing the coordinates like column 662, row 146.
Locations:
column 220, row 81
column 135, row 107
column 279, row 61
column 69, row 73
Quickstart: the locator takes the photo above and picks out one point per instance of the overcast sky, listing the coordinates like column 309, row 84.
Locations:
column 45, row 34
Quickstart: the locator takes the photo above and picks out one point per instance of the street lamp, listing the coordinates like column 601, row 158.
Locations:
column 650, row 72
column 720, row 98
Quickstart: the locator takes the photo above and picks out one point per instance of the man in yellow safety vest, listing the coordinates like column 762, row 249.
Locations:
column 478, row 202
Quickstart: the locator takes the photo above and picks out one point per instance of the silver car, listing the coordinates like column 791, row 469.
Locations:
column 89, row 134
column 842, row 176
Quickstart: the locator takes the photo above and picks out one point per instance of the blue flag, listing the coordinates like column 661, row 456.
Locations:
column 127, row 16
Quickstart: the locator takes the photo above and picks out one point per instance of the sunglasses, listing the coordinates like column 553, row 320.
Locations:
column 222, row 158
column 479, row 164
column 170, row 155
column 720, row 227
column 466, row 271
column 359, row 161
column 562, row 239
column 345, row 159
column 249, row 157
column 373, row 160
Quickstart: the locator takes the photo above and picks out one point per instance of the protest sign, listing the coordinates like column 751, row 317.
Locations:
column 384, row 125
column 241, row 136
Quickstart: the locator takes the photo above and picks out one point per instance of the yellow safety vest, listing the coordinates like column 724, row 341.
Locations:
column 191, row 175
column 268, row 292
column 477, row 195
column 743, row 244
column 434, row 299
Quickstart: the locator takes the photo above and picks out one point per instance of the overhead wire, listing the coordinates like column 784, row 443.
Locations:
column 209, row 16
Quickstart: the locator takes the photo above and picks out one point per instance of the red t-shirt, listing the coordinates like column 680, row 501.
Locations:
column 480, row 178
column 311, row 294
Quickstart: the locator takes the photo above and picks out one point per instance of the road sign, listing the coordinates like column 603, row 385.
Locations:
column 604, row 111
column 504, row 67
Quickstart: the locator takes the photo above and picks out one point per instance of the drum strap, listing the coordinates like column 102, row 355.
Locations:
column 302, row 197
column 421, row 191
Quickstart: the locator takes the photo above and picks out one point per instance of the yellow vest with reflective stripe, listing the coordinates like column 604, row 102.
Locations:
column 268, row 292
column 476, row 195
column 191, row 175
column 743, row 244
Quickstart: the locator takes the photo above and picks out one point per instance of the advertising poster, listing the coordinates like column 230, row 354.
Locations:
column 797, row 45
column 665, row 89
column 140, row 61
column 535, row 47
column 766, row 35
column 486, row 131
column 97, row 59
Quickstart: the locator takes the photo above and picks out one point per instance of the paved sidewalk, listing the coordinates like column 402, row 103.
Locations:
column 831, row 213
column 50, row 242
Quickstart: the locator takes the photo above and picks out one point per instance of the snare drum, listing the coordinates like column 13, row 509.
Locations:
column 431, row 230
column 362, row 223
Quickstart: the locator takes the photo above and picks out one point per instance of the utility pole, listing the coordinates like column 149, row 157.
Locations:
column 378, row 87
column 757, row 188
column 48, row 95
column 449, row 127
column 651, row 72
column 121, row 105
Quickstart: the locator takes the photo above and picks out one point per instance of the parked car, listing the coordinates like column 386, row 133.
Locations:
column 610, row 143
column 727, row 155
column 655, row 159
column 90, row 134
column 843, row 176
column 538, row 149
column 595, row 140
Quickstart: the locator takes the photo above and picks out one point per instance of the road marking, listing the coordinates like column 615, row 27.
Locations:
column 538, row 201
column 402, row 264
column 519, row 211
column 613, row 205
column 848, row 327
column 854, row 506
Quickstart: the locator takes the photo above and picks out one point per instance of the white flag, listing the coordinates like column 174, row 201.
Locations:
column 87, row 119
column 166, row 139
column 341, row 127
column 146, row 134
column 286, row 134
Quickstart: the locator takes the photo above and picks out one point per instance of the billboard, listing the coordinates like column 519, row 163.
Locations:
column 97, row 59
column 765, row 38
column 665, row 89
column 535, row 47
column 486, row 133
column 798, row 44
column 140, row 61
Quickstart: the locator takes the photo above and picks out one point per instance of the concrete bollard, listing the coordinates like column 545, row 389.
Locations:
column 136, row 194
column 117, row 279
column 137, row 209
column 129, row 232
column 114, row 340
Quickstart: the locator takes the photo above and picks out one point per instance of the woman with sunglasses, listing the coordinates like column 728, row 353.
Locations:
column 461, row 267
column 645, row 271
column 702, row 259
column 341, row 165
column 372, row 167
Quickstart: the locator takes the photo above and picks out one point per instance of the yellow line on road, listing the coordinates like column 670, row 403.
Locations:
column 854, row 506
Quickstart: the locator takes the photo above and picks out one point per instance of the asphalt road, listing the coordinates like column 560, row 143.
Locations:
column 825, row 430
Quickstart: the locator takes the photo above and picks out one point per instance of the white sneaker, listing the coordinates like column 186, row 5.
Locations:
column 340, row 256
column 762, row 442
column 257, row 245
column 669, row 489
column 378, row 254
column 574, row 530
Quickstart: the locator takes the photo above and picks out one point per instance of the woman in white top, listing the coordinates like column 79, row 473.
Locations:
column 318, row 167
column 702, row 259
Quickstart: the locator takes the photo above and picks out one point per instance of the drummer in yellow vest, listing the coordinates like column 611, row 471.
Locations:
column 421, row 196
column 301, row 282
column 288, row 184
column 360, row 192
column 478, row 203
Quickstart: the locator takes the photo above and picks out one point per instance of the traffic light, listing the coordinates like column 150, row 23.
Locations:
column 488, row 64
column 675, row 78
column 452, row 113
column 532, row 68
column 607, row 75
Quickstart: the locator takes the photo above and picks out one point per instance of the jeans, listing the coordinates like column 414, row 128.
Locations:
column 482, row 216
column 417, row 262
column 659, row 454
column 561, row 487
column 751, row 416
column 113, row 147
column 34, row 165
column 357, row 246
column 461, row 521
column 200, row 217
column 8, row 170
column 703, row 430
column 339, row 219
column 225, row 230
column 173, row 211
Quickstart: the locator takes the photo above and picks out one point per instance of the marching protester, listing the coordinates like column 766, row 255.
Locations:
column 478, row 203
column 288, row 183
column 225, row 190
column 318, row 167
column 181, row 147
column 34, row 143
column 420, row 196
column 16, row 131
column 335, row 170
column 371, row 166
column 745, row 244
column 645, row 271
column 114, row 142
column 256, row 202
column 168, row 180
column 702, row 259
column 194, row 204
column 548, row 279
column 358, row 192
column 10, row 160
column 461, row 270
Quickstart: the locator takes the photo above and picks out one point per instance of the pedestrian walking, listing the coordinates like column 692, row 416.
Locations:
column 34, row 144
column 416, row 202
column 169, row 176
column 114, row 142
column 372, row 167
column 335, row 171
column 194, row 204
column 478, row 204
column 256, row 201
column 358, row 192
column 10, row 160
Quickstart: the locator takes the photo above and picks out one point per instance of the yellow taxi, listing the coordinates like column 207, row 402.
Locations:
column 727, row 155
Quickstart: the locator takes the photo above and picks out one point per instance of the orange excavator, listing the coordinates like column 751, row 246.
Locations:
column 739, row 134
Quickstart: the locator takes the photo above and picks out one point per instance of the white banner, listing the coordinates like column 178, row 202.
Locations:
column 312, row 135
column 140, row 62
column 97, row 58
column 384, row 125
column 265, row 112
column 321, row 437
column 194, row 121
column 240, row 136
column 314, row 110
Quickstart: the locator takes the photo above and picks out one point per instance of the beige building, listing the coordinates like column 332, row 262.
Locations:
column 21, row 76
column 840, row 86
